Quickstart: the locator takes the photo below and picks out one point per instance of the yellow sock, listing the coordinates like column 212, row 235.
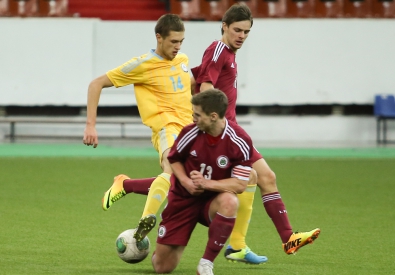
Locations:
column 237, row 238
column 157, row 194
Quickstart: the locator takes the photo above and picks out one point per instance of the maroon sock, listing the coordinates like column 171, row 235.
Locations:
column 218, row 233
column 275, row 208
column 138, row 186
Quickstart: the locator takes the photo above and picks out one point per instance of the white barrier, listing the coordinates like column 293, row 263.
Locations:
column 284, row 61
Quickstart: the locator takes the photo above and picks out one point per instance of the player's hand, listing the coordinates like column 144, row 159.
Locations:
column 192, row 188
column 198, row 179
column 90, row 136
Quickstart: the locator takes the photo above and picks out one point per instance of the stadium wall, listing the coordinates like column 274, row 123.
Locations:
column 287, row 61
column 50, row 61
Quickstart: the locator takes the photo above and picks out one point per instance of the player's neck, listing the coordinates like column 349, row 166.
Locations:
column 217, row 128
column 223, row 40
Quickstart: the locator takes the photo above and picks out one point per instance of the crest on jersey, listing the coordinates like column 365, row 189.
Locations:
column 184, row 67
column 161, row 231
column 222, row 161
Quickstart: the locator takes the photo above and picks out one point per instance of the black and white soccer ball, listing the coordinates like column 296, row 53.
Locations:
column 129, row 250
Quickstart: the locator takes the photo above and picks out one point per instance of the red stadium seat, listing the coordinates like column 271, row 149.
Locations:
column 187, row 9
column 360, row 9
column 329, row 8
column 271, row 8
column 24, row 8
column 213, row 10
column 300, row 8
column 3, row 7
column 53, row 8
column 383, row 9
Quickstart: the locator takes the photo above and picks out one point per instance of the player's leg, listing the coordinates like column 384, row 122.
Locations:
column 166, row 257
column 221, row 211
column 276, row 210
column 179, row 219
column 237, row 250
column 123, row 185
column 161, row 185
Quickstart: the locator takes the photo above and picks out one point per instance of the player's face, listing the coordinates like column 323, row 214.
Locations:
column 168, row 47
column 236, row 33
column 201, row 119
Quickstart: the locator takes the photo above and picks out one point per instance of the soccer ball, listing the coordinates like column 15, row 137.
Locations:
column 129, row 250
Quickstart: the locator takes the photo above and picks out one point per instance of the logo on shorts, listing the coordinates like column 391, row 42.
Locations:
column 222, row 161
column 184, row 67
column 161, row 231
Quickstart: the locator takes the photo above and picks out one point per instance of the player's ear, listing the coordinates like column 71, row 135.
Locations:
column 224, row 26
column 214, row 116
column 158, row 37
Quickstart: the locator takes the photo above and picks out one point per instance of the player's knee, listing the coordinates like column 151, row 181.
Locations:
column 162, row 268
column 228, row 204
column 165, row 165
column 267, row 179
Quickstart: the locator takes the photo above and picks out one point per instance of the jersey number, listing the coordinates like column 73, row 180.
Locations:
column 178, row 85
column 206, row 171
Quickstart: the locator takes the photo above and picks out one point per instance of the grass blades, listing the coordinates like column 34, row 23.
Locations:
column 51, row 220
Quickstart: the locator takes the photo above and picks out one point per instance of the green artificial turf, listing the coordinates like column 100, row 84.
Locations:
column 51, row 220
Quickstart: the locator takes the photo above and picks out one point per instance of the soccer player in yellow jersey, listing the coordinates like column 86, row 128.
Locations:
column 162, row 87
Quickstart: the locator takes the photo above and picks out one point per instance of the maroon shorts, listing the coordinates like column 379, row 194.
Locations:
column 180, row 217
column 255, row 155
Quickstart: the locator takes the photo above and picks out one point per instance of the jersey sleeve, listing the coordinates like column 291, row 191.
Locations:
column 210, row 68
column 180, row 149
column 241, row 172
column 243, row 148
column 131, row 72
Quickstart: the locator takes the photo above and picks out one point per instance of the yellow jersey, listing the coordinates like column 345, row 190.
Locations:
column 162, row 88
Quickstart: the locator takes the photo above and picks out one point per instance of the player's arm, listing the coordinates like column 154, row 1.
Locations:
column 94, row 91
column 193, row 85
column 186, row 182
column 232, row 185
column 205, row 86
column 241, row 176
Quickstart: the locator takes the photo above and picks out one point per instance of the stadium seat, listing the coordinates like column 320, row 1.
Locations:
column 53, row 8
column 3, row 7
column 23, row 8
column 383, row 9
column 359, row 8
column 384, row 109
column 187, row 9
column 271, row 8
column 329, row 8
column 252, row 4
column 213, row 10
column 300, row 8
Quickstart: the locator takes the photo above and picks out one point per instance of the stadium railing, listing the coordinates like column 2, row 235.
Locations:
column 13, row 120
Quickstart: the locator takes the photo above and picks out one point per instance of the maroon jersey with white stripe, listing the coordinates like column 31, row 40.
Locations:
column 219, row 67
column 229, row 156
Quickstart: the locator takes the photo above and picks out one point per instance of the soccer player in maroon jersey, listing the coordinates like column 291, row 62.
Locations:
column 211, row 164
column 219, row 69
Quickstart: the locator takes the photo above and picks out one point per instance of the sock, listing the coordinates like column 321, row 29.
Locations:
column 218, row 233
column 275, row 208
column 237, row 238
column 138, row 186
column 157, row 194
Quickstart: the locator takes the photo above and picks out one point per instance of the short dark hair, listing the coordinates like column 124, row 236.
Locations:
column 167, row 23
column 211, row 100
column 236, row 13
